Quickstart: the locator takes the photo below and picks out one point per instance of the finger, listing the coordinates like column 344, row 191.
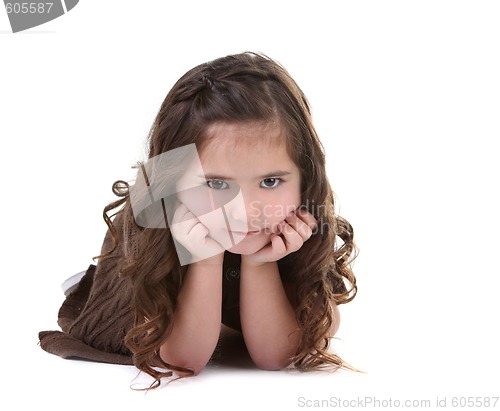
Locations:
column 179, row 213
column 302, row 228
column 272, row 251
column 198, row 232
column 278, row 246
column 183, row 222
column 307, row 217
column 182, row 213
column 181, row 230
column 293, row 239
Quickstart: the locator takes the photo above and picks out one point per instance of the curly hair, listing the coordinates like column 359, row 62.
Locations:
column 246, row 87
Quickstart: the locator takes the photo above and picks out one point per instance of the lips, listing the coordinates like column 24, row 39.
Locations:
column 244, row 233
column 253, row 232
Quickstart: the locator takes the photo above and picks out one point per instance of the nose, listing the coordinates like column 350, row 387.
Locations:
column 245, row 211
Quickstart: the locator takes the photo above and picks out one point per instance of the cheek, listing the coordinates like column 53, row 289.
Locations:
column 291, row 200
column 277, row 210
column 197, row 199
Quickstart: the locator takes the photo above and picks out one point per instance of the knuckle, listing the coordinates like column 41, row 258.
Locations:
column 308, row 231
column 297, row 244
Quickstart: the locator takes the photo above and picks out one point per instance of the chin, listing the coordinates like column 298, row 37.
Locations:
column 248, row 246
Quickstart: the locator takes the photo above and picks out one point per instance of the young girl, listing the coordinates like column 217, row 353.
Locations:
column 231, row 220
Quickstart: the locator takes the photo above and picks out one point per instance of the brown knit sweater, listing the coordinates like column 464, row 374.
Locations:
column 97, row 315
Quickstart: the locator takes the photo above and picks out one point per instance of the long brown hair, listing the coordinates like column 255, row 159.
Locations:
column 246, row 87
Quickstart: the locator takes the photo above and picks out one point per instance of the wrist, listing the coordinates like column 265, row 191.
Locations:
column 248, row 261
column 215, row 261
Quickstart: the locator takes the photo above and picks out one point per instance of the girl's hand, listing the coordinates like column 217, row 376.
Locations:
column 293, row 231
column 194, row 236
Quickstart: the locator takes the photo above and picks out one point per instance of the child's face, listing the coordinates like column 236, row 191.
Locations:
column 253, row 185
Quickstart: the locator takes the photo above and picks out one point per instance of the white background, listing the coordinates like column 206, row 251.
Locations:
column 406, row 98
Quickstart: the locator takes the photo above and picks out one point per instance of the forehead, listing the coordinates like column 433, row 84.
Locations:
column 245, row 149
column 226, row 139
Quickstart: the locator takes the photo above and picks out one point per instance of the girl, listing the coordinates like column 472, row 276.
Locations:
column 248, row 237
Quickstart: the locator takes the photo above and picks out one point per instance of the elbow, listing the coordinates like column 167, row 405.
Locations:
column 270, row 362
column 335, row 320
column 272, row 355
column 196, row 369
column 185, row 366
column 271, row 365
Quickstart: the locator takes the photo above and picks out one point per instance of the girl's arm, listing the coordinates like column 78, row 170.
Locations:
column 267, row 317
column 336, row 319
column 197, row 319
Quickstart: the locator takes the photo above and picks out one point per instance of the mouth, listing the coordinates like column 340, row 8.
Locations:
column 245, row 233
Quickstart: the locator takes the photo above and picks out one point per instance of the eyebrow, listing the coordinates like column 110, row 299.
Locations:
column 212, row 176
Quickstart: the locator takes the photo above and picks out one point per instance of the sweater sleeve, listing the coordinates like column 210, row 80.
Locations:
column 97, row 315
